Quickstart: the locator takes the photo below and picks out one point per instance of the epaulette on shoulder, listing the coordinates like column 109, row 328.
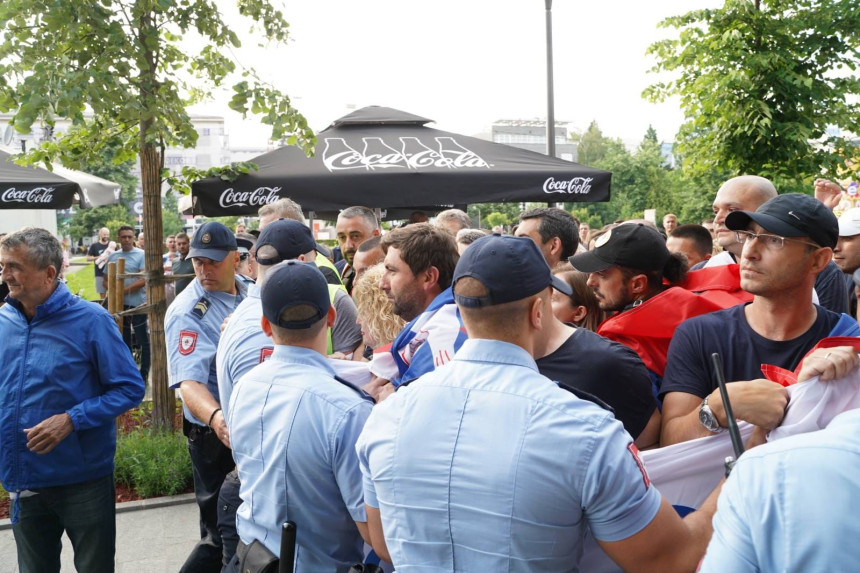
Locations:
column 583, row 395
column 201, row 307
column 356, row 389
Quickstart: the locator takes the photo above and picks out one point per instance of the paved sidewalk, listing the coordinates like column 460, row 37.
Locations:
column 151, row 540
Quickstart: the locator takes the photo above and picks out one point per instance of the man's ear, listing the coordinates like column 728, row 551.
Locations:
column 639, row 284
column 330, row 317
column 430, row 277
column 555, row 245
column 51, row 273
column 821, row 258
column 537, row 313
column 266, row 326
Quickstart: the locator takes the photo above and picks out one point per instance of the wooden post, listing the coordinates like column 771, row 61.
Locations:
column 111, row 293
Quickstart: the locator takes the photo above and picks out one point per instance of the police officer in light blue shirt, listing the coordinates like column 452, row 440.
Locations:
column 792, row 505
column 243, row 343
column 193, row 327
column 486, row 465
column 293, row 427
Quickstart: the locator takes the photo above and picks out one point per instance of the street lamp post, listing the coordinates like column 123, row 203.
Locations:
column 550, row 106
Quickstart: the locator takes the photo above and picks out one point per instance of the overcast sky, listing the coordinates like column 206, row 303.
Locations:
column 467, row 63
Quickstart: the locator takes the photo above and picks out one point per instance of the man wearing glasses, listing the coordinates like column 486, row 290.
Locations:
column 786, row 242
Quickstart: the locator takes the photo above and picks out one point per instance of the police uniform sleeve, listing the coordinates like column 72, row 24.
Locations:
column 362, row 447
column 617, row 496
column 191, row 347
column 731, row 547
column 345, row 333
column 345, row 463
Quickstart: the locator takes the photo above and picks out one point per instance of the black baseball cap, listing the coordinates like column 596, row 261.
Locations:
column 631, row 245
column 292, row 284
column 511, row 268
column 212, row 240
column 288, row 237
column 791, row 215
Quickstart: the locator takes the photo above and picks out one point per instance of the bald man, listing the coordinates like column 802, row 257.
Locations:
column 748, row 193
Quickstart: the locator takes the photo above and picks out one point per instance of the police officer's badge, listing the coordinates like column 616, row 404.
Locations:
column 187, row 342
column 206, row 238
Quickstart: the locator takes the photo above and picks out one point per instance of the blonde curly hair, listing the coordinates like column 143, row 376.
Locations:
column 381, row 326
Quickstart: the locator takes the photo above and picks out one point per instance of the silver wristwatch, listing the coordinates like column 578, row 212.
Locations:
column 707, row 418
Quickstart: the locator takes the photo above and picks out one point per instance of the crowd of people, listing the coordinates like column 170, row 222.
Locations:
column 442, row 397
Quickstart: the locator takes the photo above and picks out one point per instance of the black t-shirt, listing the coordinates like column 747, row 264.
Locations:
column 95, row 250
column 831, row 288
column 608, row 370
column 742, row 350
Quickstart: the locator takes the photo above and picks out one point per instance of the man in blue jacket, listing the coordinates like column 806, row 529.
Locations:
column 66, row 377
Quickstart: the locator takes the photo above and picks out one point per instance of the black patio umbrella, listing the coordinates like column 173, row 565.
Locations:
column 37, row 188
column 384, row 158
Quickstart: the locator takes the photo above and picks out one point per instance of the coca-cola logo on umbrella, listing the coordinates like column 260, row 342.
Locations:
column 35, row 195
column 406, row 153
column 256, row 198
column 575, row 186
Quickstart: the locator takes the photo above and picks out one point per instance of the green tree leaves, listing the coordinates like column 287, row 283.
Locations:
column 763, row 85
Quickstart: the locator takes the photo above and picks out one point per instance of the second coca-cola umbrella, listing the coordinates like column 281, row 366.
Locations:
column 385, row 158
column 37, row 188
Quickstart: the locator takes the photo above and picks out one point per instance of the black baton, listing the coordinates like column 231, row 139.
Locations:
column 731, row 423
column 288, row 547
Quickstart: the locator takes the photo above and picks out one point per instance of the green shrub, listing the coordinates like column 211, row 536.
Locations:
column 153, row 463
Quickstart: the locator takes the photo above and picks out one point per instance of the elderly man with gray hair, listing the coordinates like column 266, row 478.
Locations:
column 453, row 221
column 67, row 375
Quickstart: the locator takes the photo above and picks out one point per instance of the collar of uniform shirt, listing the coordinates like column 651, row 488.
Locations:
column 486, row 350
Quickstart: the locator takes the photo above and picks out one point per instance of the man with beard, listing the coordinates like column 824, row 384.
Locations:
column 354, row 226
column 627, row 268
column 419, row 264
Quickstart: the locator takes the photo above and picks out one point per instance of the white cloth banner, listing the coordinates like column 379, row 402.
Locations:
column 688, row 472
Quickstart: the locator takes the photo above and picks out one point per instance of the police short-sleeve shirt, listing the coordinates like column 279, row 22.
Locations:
column 294, row 447
column 485, row 465
column 742, row 350
column 243, row 345
column 192, row 331
column 610, row 371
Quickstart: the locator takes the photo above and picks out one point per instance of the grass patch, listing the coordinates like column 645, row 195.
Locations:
column 82, row 282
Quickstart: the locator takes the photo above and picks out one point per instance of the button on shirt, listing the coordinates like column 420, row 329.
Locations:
column 192, row 330
column 792, row 504
column 243, row 345
column 134, row 263
column 294, row 446
column 486, row 465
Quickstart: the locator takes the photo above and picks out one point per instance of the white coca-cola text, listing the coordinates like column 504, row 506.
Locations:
column 575, row 186
column 35, row 195
column 256, row 198
column 339, row 156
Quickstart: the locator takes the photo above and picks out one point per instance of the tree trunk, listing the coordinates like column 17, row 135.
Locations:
column 163, row 401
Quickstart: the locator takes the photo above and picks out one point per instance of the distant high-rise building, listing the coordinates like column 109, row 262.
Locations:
column 531, row 134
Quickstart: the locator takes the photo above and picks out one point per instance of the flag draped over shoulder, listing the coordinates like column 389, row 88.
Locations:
column 430, row 340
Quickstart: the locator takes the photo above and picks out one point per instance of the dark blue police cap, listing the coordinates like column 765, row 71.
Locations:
column 511, row 268
column 212, row 240
column 293, row 284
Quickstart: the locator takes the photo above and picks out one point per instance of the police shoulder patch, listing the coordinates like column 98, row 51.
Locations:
column 201, row 307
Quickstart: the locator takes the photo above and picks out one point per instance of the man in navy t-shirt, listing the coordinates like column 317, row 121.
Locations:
column 787, row 242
